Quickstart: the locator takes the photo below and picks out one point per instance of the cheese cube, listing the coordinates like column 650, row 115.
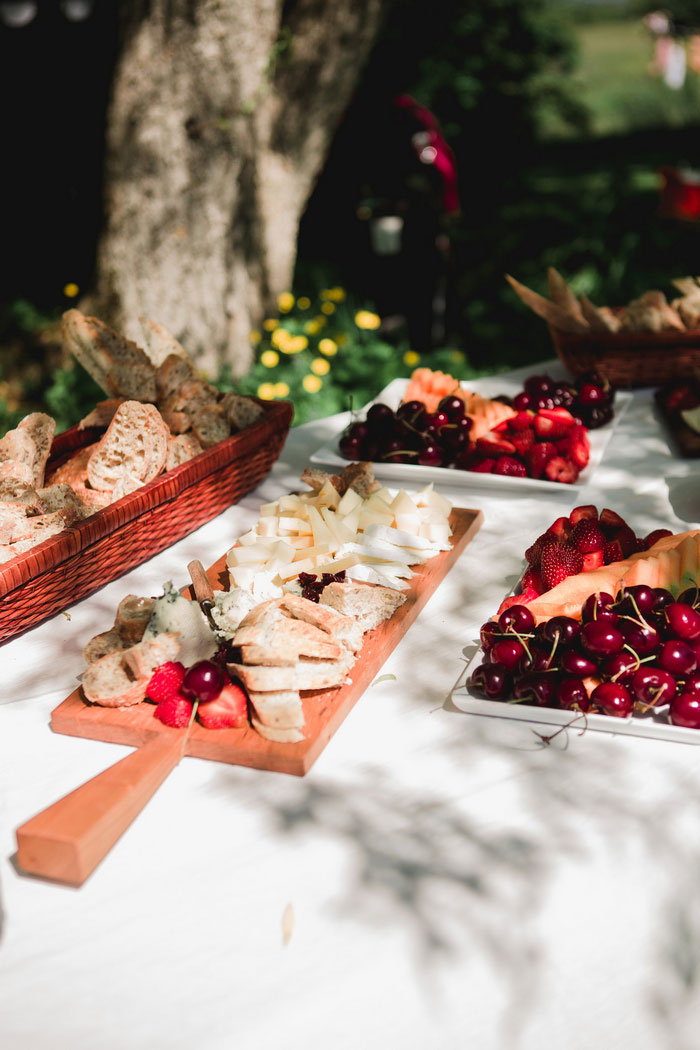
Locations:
column 269, row 526
column 321, row 532
column 291, row 525
column 291, row 503
column 403, row 504
column 283, row 553
column 268, row 509
column 243, row 576
column 258, row 554
column 328, row 496
column 248, row 538
column 349, row 502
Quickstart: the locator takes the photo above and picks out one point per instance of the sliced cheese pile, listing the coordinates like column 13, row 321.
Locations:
column 374, row 539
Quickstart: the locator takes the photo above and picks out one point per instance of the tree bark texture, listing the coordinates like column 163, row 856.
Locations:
column 221, row 116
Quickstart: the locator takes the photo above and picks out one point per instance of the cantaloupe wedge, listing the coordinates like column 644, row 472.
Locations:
column 666, row 564
column 430, row 386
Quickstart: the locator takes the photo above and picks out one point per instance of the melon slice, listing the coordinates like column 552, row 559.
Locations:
column 430, row 386
column 663, row 565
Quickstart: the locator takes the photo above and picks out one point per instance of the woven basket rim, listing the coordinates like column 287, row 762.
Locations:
column 639, row 342
column 82, row 535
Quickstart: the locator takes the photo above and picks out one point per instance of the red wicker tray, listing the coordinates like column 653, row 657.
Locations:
column 631, row 359
column 78, row 561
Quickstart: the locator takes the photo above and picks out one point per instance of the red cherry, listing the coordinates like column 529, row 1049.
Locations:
column 571, row 694
column 677, row 657
column 685, row 710
column 683, row 620
column 537, row 687
column 516, row 618
column 493, row 680
column 453, row 407
column 575, row 663
column 598, row 604
column 620, row 667
column 204, row 681
column 613, row 698
column 488, row 635
column 601, row 638
column 653, row 685
column 509, row 652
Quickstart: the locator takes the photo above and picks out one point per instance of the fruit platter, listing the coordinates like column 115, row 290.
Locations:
column 535, row 433
column 603, row 633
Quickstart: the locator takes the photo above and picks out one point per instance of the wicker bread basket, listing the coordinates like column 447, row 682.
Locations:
column 78, row 561
column 631, row 359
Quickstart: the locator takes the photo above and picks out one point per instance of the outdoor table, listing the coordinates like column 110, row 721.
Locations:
column 437, row 880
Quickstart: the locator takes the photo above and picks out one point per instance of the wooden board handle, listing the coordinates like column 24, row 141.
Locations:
column 68, row 840
column 203, row 590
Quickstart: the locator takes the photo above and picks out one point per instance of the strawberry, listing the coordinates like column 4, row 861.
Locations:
column 483, row 465
column 510, row 467
column 523, row 598
column 521, row 421
column 537, row 457
column 587, row 536
column 627, row 540
column 561, row 529
column 559, row 415
column 592, row 560
column 175, row 711
column 501, row 427
column 228, row 711
column 493, row 444
column 579, row 447
column 612, row 552
column 522, row 440
column 655, row 536
column 165, row 681
column 587, row 510
column 558, row 562
column 532, row 581
column 561, row 470
column 534, row 552
column 610, row 520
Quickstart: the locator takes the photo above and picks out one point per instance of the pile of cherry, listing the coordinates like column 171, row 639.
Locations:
column 546, row 438
column 637, row 652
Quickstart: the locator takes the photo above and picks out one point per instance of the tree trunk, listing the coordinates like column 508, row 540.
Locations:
column 221, row 117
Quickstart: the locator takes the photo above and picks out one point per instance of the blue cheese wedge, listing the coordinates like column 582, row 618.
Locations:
column 174, row 613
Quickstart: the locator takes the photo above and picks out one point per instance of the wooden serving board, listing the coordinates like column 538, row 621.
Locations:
column 323, row 710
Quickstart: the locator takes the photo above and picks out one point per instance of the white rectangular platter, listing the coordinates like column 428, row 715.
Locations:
column 409, row 474
column 654, row 728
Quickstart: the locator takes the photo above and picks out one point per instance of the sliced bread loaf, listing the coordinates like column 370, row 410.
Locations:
column 367, row 603
column 41, row 428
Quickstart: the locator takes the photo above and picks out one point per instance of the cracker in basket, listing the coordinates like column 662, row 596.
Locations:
column 600, row 318
column 561, row 295
column 554, row 314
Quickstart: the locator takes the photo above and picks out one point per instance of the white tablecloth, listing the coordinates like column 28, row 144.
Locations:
column 438, row 880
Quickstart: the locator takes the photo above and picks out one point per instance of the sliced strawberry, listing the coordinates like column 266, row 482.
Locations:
column 523, row 598
column 493, row 444
column 537, row 457
column 558, row 562
column 510, row 467
column 165, row 681
column 612, row 552
column 587, row 536
column 175, row 712
column 592, row 560
column 546, row 429
column 532, row 581
column 558, row 415
column 609, row 519
column 534, row 552
column 561, row 470
column 521, row 421
column 522, row 440
column 655, row 536
column 561, row 529
column 586, row 511
column 579, row 447
column 571, row 559
column 228, row 711
column 627, row 540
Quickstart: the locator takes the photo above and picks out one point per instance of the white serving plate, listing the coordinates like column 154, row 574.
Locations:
column 408, row 473
column 652, row 727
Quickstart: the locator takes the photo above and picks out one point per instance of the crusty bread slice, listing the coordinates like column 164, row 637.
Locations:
column 172, row 372
column 312, row 674
column 41, row 428
column 209, row 425
column 7, row 553
column 38, row 528
column 143, row 657
column 116, row 363
column 18, row 446
column 264, row 679
column 284, row 643
column 110, row 682
column 135, row 444
column 181, row 449
column 241, row 411
column 280, row 736
column 342, row 629
column 12, row 514
column 159, row 343
column 133, row 614
column 61, row 497
column 284, row 655
column 264, row 612
column 280, row 710
column 367, row 603
column 107, row 642
column 102, row 414
column 16, row 486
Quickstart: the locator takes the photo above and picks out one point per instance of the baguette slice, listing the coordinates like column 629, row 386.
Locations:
column 143, row 657
column 278, row 710
column 120, row 678
column 102, row 414
column 107, row 642
column 116, row 364
column 64, row 499
column 241, row 411
column 264, row 679
column 173, row 371
column 159, row 343
column 181, row 449
column 41, row 429
column 280, row 736
column 367, row 603
column 342, row 629
column 135, row 444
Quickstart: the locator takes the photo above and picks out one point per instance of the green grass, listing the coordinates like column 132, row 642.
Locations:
column 615, row 83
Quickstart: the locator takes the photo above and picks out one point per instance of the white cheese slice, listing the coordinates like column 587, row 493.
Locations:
column 349, row 502
column 398, row 537
column 369, row 574
column 377, row 551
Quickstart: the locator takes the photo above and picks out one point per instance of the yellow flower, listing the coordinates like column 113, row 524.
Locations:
column 311, row 384
column 320, row 367
column 312, row 327
column 285, row 302
column 336, row 294
column 269, row 358
column 456, row 355
column 280, row 337
column 367, row 320
column 328, row 308
column 281, row 389
column 294, row 344
column 411, row 358
column 303, row 302
column 70, row 290
column 255, row 337
column 270, row 323
column 328, row 347
column 266, row 391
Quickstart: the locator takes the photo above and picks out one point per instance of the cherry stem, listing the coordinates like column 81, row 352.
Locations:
column 195, row 705
column 548, row 738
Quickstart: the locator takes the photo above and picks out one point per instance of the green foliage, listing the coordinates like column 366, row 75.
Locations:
column 72, row 394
